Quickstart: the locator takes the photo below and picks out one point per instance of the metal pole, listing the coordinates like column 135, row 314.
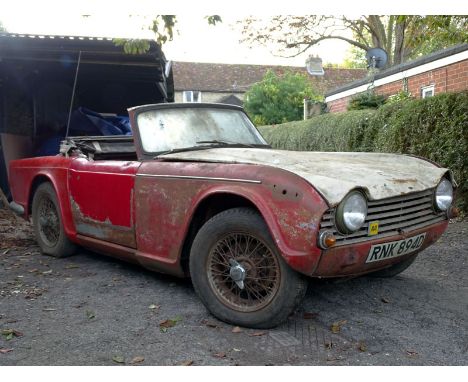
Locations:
column 306, row 109
column 73, row 93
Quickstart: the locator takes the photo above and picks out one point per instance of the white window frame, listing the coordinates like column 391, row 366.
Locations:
column 190, row 96
column 428, row 91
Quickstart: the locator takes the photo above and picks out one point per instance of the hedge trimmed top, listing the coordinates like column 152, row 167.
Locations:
column 435, row 128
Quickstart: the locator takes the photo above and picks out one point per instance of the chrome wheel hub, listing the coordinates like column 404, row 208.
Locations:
column 237, row 273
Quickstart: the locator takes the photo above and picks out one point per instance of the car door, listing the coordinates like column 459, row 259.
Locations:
column 101, row 198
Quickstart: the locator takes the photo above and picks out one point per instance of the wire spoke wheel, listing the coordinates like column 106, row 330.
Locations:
column 243, row 272
column 49, row 223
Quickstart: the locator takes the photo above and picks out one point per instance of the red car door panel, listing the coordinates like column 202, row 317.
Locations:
column 101, row 198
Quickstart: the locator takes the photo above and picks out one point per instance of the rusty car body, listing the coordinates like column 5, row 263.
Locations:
column 247, row 223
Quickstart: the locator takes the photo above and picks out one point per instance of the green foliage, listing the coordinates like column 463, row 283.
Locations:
column 355, row 58
column 132, row 46
column 366, row 100
column 443, row 31
column 278, row 99
column 163, row 29
column 400, row 96
column 435, row 128
column 213, row 20
column 327, row 132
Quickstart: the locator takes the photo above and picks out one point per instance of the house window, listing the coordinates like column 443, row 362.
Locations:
column 427, row 91
column 191, row 96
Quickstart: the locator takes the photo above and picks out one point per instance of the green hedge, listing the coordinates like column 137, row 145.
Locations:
column 435, row 128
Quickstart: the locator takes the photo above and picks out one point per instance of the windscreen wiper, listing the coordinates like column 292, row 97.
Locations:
column 209, row 145
column 182, row 149
column 232, row 144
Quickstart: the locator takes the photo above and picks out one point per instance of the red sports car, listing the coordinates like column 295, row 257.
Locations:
column 196, row 191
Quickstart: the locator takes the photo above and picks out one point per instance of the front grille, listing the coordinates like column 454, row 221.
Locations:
column 396, row 215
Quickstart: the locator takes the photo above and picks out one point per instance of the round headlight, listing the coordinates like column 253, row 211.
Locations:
column 444, row 195
column 351, row 212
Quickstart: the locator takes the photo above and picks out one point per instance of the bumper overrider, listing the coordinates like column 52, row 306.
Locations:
column 358, row 239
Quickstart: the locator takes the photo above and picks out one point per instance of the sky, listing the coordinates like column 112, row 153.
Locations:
column 195, row 40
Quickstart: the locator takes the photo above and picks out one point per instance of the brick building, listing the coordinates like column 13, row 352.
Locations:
column 440, row 72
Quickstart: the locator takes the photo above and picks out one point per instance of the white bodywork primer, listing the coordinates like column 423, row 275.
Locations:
column 334, row 174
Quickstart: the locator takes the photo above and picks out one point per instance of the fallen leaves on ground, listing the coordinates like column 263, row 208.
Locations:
column 210, row 324
column 10, row 333
column 219, row 355
column 310, row 315
column 411, row 353
column 236, row 329
column 137, row 359
column 257, row 334
column 169, row 323
column 362, row 346
column 187, row 363
column 385, row 300
column 336, row 326
column 4, row 351
column 90, row 314
column 72, row 266
column 154, row 307
column 118, row 359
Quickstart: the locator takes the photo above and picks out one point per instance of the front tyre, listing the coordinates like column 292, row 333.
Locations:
column 47, row 223
column 238, row 273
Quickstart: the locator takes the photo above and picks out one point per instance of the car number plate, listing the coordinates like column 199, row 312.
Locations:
column 395, row 248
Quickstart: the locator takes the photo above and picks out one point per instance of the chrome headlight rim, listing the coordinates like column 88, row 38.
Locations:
column 340, row 221
column 439, row 204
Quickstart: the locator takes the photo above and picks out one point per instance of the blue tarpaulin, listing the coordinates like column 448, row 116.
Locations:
column 87, row 122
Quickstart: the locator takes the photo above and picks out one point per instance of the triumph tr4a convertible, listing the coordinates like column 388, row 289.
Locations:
column 196, row 191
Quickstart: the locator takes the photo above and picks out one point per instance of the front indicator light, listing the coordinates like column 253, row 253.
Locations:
column 326, row 240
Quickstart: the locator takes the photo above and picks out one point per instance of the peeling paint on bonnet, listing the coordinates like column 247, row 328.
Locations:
column 334, row 174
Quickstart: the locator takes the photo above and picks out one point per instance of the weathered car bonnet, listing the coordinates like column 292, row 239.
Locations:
column 334, row 174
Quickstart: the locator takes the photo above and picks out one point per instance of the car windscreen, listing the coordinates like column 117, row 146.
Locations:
column 171, row 129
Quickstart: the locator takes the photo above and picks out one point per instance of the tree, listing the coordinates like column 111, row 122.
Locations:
column 403, row 37
column 278, row 99
column 163, row 28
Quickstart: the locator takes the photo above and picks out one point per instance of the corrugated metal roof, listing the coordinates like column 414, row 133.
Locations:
column 30, row 46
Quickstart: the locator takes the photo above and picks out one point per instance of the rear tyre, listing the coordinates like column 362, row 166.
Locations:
column 47, row 223
column 239, row 274
column 394, row 270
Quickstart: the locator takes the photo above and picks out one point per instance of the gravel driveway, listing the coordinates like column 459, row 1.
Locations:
column 93, row 310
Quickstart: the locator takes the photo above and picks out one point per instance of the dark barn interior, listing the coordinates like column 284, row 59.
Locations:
column 43, row 78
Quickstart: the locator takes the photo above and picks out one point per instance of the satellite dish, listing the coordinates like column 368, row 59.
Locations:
column 376, row 58
column 314, row 66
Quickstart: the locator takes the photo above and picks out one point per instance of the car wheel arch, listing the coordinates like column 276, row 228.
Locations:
column 209, row 206
column 36, row 182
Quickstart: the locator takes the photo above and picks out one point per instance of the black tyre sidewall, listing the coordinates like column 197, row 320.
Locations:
column 64, row 247
column 292, row 286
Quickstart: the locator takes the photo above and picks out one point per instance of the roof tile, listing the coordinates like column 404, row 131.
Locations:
column 238, row 78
